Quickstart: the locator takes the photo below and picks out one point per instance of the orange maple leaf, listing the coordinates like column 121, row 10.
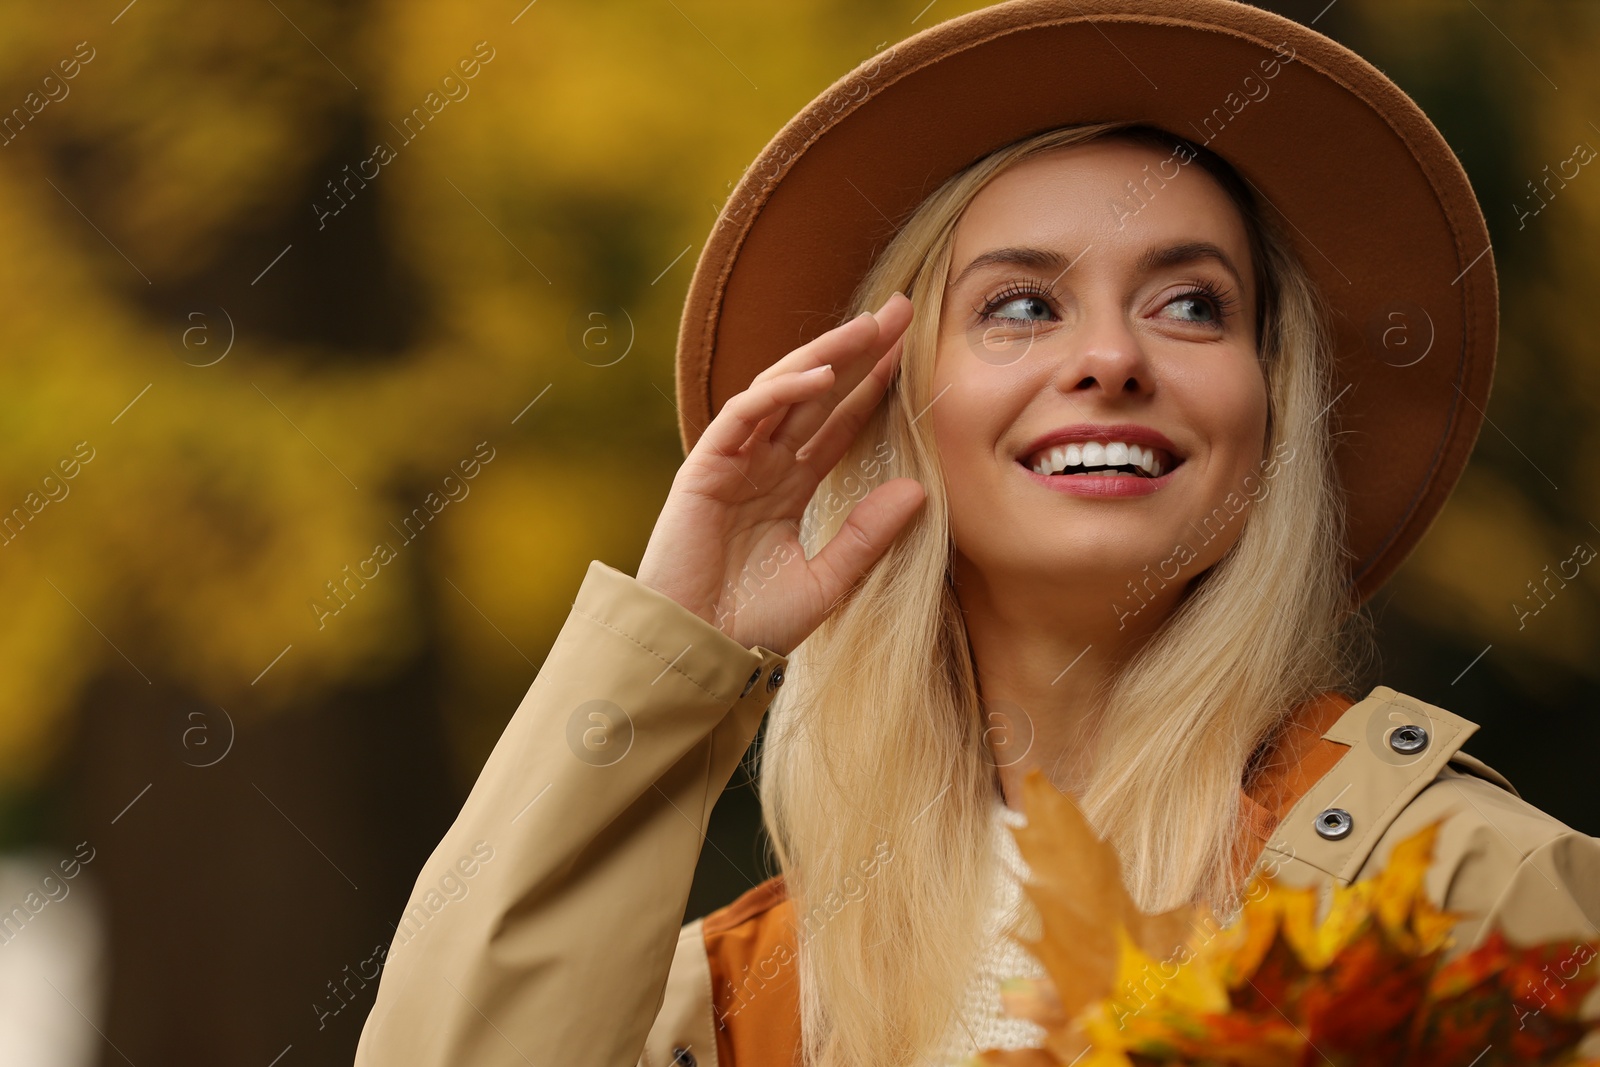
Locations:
column 1279, row 986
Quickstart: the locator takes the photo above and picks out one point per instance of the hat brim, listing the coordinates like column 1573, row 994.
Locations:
column 1376, row 203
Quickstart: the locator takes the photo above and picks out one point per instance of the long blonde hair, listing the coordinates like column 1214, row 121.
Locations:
column 876, row 784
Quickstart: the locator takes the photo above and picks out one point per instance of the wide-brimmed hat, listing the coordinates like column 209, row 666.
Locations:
column 1375, row 202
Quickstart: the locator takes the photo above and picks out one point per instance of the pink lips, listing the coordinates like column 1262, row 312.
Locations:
column 1100, row 484
column 1129, row 432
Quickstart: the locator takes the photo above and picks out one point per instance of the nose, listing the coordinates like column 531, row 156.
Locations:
column 1105, row 354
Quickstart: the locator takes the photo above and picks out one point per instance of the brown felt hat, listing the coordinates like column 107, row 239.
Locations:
column 1375, row 202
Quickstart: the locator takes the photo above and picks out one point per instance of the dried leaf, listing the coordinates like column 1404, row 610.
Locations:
column 1278, row 986
column 1078, row 889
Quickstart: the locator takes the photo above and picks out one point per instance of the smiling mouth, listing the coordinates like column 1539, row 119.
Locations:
column 1102, row 459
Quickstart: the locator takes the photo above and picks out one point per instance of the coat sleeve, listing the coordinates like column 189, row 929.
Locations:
column 1553, row 894
column 1505, row 864
column 542, row 928
column 686, row 1022
column 1554, row 891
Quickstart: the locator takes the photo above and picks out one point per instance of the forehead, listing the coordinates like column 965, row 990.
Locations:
column 1105, row 198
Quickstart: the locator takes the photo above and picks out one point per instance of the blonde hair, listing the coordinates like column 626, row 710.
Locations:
column 877, row 787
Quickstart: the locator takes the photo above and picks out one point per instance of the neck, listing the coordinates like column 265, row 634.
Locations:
column 1045, row 653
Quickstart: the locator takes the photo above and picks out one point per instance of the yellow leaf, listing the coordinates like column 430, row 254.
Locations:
column 1186, row 982
column 1243, row 944
column 1298, row 910
column 1399, row 884
column 1077, row 887
column 1432, row 925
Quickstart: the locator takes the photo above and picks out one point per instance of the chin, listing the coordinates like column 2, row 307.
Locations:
column 1101, row 570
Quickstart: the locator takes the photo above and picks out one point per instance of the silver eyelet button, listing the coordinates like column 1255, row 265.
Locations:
column 1408, row 740
column 1334, row 824
column 775, row 679
column 751, row 684
column 682, row 1057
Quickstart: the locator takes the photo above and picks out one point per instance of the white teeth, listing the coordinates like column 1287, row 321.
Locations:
column 1098, row 454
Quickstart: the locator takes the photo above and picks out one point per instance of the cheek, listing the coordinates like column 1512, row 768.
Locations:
column 966, row 413
column 1231, row 408
column 1249, row 399
column 967, row 405
column 1228, row 402
column 951, row 421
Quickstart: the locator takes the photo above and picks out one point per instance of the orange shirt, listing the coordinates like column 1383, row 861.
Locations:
column 750, row 943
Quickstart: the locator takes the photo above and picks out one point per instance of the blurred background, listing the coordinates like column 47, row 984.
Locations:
column 244, row 346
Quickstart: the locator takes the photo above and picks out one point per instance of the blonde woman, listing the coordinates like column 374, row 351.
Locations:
column 1064, row 494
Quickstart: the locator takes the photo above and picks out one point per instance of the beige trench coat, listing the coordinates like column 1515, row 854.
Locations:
column 545, row 927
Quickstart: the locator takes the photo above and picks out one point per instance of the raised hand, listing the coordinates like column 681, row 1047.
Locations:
column 735, row 505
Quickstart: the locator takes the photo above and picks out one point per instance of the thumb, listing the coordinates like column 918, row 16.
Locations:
column 867, row 533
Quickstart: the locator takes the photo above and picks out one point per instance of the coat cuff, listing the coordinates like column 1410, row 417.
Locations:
column 682, row 640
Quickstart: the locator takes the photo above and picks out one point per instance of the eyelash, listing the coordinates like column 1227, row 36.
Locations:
column 1222, row 304
column 1023, row 287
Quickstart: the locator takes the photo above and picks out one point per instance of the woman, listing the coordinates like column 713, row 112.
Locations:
column 1064, row 495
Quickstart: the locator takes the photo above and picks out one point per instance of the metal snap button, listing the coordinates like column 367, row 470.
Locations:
column 775, row 679
column 1408, row 740
column 1334, row 823
column 751, row 684
column 682, row 1057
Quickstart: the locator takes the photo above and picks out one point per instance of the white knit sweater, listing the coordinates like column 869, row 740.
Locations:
column 981, row 1024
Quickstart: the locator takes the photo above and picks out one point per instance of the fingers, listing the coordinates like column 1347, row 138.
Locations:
column 841, row 348
column 844, row 342
column 764, row 428
column 843, row 425
column 741, row 415
column 868, row 531
column 851, row 373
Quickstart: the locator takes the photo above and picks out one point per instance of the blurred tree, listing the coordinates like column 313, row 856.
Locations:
column 1515, row 91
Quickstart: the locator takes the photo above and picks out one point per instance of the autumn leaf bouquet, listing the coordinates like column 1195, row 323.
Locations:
column 1366, row 983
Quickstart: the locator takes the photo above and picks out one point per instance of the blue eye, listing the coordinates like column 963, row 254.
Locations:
column 1200, row 309
column 1030, row 301
column 1032, row 298
column 1029, row 304
column 1204, row 304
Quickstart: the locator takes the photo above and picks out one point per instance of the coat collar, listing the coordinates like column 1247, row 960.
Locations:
column 1353, row 767
column 1297, row 758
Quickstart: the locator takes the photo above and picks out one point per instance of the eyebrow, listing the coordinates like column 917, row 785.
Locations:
column 1151, row 259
